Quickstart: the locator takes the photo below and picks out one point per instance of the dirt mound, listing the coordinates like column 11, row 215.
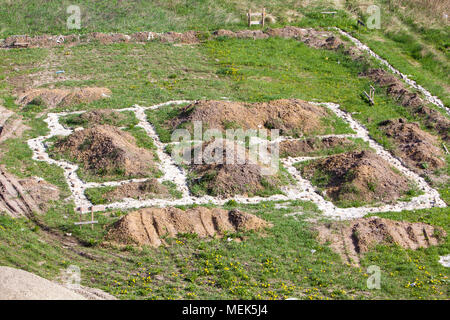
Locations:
column 416, row 105
column 189, row 37
column 16, row 284
column 227, row 169
column 350, row 240
column 290, row 116
column 416, row 147
column 22, row 198
column 308, row 147
column 150, row 226
column 61, row 97
column 107, row 150
column 357, row 177
column 138, row 190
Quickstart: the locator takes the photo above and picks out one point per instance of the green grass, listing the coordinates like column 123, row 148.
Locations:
column 122, row 119
column 275, row 265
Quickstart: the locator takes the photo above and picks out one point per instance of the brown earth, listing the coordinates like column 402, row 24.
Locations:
column 415, row 146
column 352, row 239
column 358, row 176
column 107, row 150
column 239, row 174
column 22, row 198
column 138, row 190
column 61, row 97
column 150, row 226
column 309, row 146
column 290, row 116
column 11, row 125
column 412, row 101
column 312, row 37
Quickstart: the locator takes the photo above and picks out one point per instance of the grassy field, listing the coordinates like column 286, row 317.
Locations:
column 284, row 261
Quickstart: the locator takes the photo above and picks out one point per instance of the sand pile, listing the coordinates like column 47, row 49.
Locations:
column 61, row 97
column 416, row 147
column 357, row 177
column 106, row 150
column 150, row 226
column 351, row 239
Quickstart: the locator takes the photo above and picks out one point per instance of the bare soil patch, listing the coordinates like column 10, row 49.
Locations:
column 106, row 150
column 352, row 239
column 61, row 97
column 416, row 147
column 11, row 125
column 290, row 116
column 357, row 177
column 22, row 198
column 150, row 226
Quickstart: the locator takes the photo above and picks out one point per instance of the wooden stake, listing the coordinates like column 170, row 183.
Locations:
column 368, row 97
column 92, row 217
column 249, row 14
column 263, row 16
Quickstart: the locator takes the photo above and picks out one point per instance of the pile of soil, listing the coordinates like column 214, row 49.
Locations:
column 244, row 176
column 290, row 116
column 23, row 198
column 412, row 101
column 309, row 146
column 150, row 226
column 311, row 37
column 415, row 146
column 138, row 190
column 61, row 97
column 358, row 177
column 107, row 150
column 350, row 240
column 16, row 284
column 189, row 37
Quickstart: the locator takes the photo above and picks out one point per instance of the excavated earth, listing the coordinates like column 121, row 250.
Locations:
column 290, row 116
column 416, row 147
column 107, row 150
column 11, row 124
column 61, row 97
column 22, row 198
column 358, row 176
column 236, row 173
column 315, row 38
column 310, row 146
column 150, row 226
column 138, row 190
column 356, row 237
column 417, row 106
